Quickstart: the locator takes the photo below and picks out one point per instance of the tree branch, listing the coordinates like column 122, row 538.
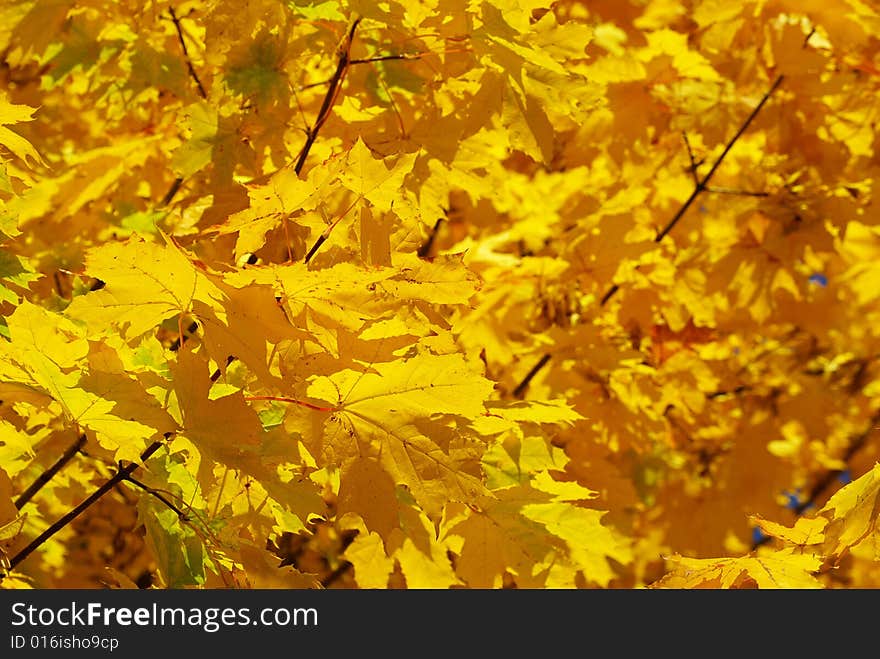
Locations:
column 694, row 164
column 120, row 476
column 703, row 183
column 741, row 193
column 189, row 64
column 822, row 484
column 323, row 113
column 156, row 493
column 329, row 98
column 336, row 574
column 190, row 329
column 522, row 386
column 426, row 247
column 175, row 186
column 47, row 475
column 384, row 58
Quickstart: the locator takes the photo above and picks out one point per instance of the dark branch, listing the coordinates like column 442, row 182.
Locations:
column 189, row 64
column 732, row 392
column 741, row 193
column 704, row 182
column 316, row 246
column 175, row 186
column 609, row 294
column 120, row 475
column 336, row 574
column 808, row 37
column 364, row 60
column 216, row 374
column 191, row 328
column 47, row 475
column 428, row 245
column 323, row 113
column 383, row 58
column 522, row 386
column 158, row 495
column 329, row 98
column 694, row 163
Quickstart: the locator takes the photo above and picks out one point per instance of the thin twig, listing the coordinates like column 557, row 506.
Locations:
column 336, row 574
column 190, row 329
column 385, row 58
column 121, row 474
column 329, row 98
column 729, row 392
column 314, row 248
column 326, row 233
column 694, row 163
column 47, row 475
column 216, row 374
column 807, row 38
column 820, row 486
column 705, row 181
column 740, row 193
column 175, row 186
column 323, row 113
column 522, row 386
column 428, row 245
column 189, row 64
column 703, row 184
column 367, row 60
column 158, row 495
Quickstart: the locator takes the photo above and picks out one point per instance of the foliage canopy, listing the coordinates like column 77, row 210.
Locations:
column 508, row 293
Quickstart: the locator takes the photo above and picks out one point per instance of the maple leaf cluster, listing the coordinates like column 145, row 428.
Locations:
column 497, row 294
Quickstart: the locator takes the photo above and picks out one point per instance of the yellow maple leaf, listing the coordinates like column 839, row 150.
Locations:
column 146, row 283
column 371, row 179
column 861, row 247
column 805, row 532
column 390, row 412
column 371, row 564
column 781, row 569
column 48, row 354
column 11, row 114
column 852, row 513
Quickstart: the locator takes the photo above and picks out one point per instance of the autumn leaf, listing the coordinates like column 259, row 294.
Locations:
column 779, row 570
column 499, row 294
column 11, row 114
column 142, row 276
